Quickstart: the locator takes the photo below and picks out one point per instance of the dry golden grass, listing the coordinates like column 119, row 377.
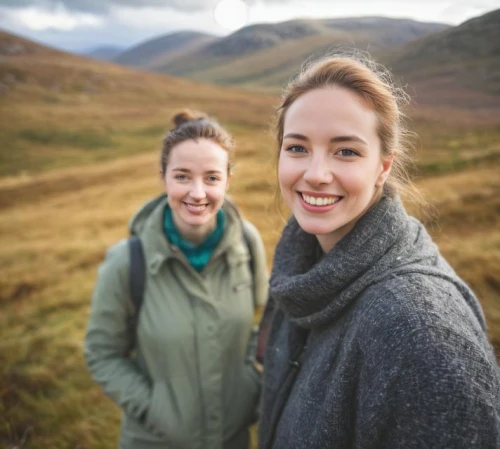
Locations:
column 56, row 232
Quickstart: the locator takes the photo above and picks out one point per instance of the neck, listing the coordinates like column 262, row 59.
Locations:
column 195, row 234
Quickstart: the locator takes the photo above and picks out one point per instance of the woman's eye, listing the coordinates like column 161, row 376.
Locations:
column 213, row 178
column 347, row 152
column 296, row 149
column 180, row 177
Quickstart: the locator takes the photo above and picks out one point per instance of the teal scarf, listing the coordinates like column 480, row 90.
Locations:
column 198, row 256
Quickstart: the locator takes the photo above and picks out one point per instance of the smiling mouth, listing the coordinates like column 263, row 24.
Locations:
column 320, row 201
column 196, row 207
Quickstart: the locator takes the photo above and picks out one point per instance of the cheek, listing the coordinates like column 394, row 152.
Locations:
column 358, row 178
column 218, row 193
column 286, row 174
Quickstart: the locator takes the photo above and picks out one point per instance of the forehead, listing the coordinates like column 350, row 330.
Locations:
column 200, row 155
column 330, row 110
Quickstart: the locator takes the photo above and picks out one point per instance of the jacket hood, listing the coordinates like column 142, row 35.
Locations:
column 384, row 242
column 147, row 223
column 138, row 220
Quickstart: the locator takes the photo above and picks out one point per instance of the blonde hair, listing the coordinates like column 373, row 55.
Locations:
column 373, row 83
column 194, row 125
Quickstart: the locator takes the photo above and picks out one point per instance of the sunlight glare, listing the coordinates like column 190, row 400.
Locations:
column 231, row 14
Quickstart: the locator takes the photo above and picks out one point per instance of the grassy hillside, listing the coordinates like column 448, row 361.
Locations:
column 466, row 57
column 455, row 66
column 161, row 50
column 80, row 148
column 242, row 47
column 61, row 110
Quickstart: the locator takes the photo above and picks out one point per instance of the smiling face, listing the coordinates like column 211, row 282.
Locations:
column 330, row 167
column 196, row 180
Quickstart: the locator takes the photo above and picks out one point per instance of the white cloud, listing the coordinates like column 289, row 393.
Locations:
column 57, row 19
column 79, row 24
column 164, row 20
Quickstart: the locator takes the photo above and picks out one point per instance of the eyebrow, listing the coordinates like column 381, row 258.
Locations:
column 185, row 170
column 349, row 138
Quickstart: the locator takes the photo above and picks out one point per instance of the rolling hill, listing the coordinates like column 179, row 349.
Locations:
column 83, row 110
column 218, row 60
column 106, row 53
column 457, row 67
column 160, row 51
column 462, row 59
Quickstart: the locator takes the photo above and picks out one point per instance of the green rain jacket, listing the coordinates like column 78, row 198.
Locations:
column 183, row 376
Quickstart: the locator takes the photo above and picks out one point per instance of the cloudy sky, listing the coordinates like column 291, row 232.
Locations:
column 79, row 25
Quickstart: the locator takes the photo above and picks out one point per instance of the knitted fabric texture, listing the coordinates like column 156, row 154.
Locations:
column 393, row 346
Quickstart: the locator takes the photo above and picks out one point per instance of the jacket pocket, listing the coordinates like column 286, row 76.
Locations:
column 243, row 401
column 175, row 413
column 134, row 434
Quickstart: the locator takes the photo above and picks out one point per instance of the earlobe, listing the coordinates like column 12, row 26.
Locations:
column 386, row 169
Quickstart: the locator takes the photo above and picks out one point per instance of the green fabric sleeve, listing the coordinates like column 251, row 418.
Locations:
column 110, row 336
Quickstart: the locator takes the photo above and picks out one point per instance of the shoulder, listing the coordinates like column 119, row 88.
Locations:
column 112, row 284
column 116, row 260
column 419, row 314
column 250, row 231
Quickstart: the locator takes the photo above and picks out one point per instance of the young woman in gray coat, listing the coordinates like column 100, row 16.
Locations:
column 181, row 369
column 375, row 342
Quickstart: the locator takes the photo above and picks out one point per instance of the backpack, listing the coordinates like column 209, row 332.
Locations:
column 137, row 270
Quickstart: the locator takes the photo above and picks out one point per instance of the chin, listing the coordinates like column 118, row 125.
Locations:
column 316, row 228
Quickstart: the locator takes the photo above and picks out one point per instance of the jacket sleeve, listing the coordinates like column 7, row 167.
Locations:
column 110, row 336
column 428, row 387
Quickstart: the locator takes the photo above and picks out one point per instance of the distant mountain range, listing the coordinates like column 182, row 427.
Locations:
column 265, row 54
column 161, row 51
column 106, row 53
column 457, row 67
column 434, row 57
column 456, row 60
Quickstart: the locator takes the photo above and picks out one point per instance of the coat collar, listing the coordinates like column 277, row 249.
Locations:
column 158, row 250
column 315, row 292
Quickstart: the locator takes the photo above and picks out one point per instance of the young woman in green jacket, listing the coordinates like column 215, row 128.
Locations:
column 182, row 370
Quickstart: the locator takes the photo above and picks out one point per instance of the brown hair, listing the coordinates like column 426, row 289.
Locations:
column 194, row 125
column 373, row 84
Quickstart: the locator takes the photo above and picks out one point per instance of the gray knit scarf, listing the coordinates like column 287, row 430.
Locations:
column 315, row 293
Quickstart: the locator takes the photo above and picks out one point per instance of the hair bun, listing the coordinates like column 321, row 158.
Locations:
column 187, row 115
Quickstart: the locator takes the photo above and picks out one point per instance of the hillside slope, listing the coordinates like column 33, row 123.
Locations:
column 462, row 58
column 163, row 49
column 60, row 109
column 365, row 32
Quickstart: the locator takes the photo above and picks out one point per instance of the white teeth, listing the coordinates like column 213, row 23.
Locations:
column 193, row 207
column 320, row 201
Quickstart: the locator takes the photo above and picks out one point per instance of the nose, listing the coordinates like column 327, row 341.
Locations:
column 198, row 190
column 318, row 172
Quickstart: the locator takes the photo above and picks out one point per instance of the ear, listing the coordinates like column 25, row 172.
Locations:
column 229, row 175
column 386, row 169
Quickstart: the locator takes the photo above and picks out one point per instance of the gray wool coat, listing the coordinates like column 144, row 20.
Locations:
column 376, row 344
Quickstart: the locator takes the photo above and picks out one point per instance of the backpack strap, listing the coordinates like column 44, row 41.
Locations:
column 137, row 273
column 246, row 238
